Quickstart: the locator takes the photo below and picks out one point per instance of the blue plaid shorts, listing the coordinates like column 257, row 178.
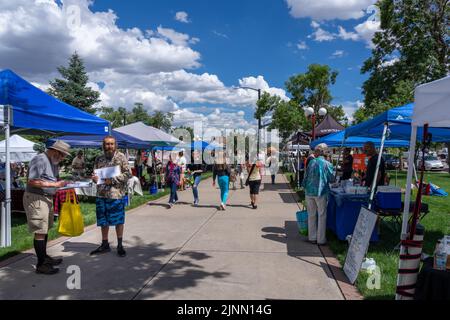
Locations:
column 110, row 212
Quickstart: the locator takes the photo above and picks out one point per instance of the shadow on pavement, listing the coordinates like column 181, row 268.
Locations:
column 288, row 197
column 147, row 266
column 296, row 244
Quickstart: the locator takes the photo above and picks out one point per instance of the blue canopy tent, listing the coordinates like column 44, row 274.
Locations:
column 395, row 123
column 28, row 110
column 123, row 140
column 399, row 126
column 337, row 140
column 36, row 112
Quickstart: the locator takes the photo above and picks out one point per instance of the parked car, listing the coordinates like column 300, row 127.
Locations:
column 431, row 163
column 392, row 162
column 131, row 160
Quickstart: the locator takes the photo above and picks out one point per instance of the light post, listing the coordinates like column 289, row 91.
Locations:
column 259, row 118
column 309, row 112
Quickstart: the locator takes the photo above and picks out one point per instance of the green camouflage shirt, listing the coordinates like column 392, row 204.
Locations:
column 119, row 184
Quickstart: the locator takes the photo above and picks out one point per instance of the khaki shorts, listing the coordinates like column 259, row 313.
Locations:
column 39, row 212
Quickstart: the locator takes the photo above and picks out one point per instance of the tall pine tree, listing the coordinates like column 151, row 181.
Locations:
column 72, row 88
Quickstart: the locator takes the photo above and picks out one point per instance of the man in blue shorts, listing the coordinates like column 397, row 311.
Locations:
column 110, row 206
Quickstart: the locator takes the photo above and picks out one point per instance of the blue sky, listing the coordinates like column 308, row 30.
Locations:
column 256, row 37
column 188, row 65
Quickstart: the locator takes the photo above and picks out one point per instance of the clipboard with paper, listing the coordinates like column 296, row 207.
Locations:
column 107, row 173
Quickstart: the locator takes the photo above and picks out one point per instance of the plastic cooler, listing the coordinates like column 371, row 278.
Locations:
column 389, row 197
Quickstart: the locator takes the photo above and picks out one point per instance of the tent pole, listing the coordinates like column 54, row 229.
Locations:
column 339, row 157
column 411, row 168
column 6, row 206
column 380, row 154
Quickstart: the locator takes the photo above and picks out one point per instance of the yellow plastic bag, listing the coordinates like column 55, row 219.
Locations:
column 71, row 220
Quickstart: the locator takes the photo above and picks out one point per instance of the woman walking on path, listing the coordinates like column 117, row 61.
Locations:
column 222, row 171
column 172, row 179
column 272, row 163
column 196, row 170
column 255, row 173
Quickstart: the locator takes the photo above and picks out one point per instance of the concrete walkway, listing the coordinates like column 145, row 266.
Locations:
column 190, row 253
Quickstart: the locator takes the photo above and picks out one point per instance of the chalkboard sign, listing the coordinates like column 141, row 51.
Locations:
column 359, row 243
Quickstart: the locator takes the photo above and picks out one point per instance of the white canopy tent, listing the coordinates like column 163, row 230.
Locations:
column 21, row 149
column 432, row 109
column 149, row 134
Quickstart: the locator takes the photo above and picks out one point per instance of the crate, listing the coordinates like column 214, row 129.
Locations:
column 389, row 200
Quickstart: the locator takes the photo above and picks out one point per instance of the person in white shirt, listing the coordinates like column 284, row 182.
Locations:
column 182, row 162
column 272, row 164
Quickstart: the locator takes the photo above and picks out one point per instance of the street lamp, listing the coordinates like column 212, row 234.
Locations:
column 309, row 112
column 259, row 118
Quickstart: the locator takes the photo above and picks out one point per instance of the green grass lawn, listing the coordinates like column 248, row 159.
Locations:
column 436, row 223
column 22, row 240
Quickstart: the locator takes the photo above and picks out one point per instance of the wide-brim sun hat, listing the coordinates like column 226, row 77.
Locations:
column 61, row 146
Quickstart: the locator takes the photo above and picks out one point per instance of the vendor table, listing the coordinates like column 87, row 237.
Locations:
column 432, row 284
column 343, row 212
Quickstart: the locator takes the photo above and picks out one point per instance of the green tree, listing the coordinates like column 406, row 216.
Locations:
column 72, row 88
column 161, row 120
column 287, row 117
column 139, row 113
column 266, row 104
column 412, row 48
column 117, row 118
column 311, row 89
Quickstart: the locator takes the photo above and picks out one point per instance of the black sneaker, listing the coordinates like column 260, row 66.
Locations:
column 121, row 252
column 100, row 250
column 53, row 261
column 46, row 269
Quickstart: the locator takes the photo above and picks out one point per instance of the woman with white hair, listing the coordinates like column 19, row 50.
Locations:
column 319, row 174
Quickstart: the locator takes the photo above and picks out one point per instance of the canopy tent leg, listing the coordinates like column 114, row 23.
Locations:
column 339, row 157
column 5, row 239
column 411, row 244
column 411, row 167
column 380, row 154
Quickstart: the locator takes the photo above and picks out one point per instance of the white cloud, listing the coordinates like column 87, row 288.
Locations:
column 302, row 45
column 366, row 31
column 362, row 32
column 222, row 35
column 176, row 38
column 182, row 16
column 134, row 65
column 32, row 47
column 216, row 119
column 389, row 63
column 329, row 9
column 350, row 108
column 343, row 34
column 315, row 24
column 322, row 35
column 338, row 54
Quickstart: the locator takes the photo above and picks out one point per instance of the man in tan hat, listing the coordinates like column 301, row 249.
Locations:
column 42, row 184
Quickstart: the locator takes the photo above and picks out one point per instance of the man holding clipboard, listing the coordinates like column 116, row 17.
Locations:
column 111, row 173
